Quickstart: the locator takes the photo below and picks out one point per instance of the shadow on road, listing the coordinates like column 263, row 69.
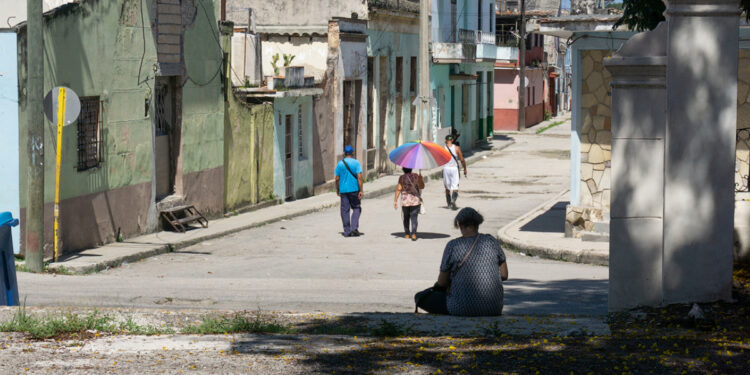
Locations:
column 571, row 296
column 552, row 221
column 501, row 137
column 422, row 235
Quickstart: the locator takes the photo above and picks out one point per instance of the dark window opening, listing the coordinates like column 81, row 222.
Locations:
column 89, row 152
column 399, row 74
column 413, row 75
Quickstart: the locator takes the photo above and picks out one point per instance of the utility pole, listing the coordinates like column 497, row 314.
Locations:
column 35, row 127
column 424, row 110
column 522, row 69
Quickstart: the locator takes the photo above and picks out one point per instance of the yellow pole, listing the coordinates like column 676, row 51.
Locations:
column 58, row 162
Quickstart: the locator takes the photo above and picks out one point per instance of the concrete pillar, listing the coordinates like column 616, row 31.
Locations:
column 674, row 111
column 639, row 118
column 702, row 58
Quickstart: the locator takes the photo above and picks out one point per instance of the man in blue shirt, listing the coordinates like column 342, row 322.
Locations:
column 349, row 188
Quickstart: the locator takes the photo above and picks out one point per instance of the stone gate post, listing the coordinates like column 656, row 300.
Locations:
column 639, row 119
column 674, row 113
column 702, row 59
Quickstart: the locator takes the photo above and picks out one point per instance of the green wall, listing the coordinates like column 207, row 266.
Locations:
column 392, row 45
column 101, row 48
column 472, row 128
column 248, row 142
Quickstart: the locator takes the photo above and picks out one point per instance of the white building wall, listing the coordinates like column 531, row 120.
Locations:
column 311, row 55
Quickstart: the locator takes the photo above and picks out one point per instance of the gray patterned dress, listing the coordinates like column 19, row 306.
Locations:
column 476, row 289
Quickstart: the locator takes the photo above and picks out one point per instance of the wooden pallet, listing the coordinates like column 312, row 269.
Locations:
column 180, row 217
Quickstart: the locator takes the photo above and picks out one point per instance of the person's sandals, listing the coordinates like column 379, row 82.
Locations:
column 413, row 236
column 407, row 236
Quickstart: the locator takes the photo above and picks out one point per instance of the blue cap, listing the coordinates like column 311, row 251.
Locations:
column 348, row 150
column 6, row 218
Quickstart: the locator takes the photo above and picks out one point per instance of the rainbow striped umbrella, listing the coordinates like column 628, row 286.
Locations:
column 420, row 155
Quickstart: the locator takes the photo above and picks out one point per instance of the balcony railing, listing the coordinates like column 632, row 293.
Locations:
column 484, row 37
column 466, row 36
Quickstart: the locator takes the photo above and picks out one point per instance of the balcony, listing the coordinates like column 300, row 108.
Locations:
column 465, row 36
column 465, row 46
column 486, row 49
column 507, row 53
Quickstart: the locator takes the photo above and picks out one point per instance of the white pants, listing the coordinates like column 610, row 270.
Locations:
column 450, row 178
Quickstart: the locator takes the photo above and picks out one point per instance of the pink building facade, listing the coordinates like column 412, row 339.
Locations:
column 506, row 96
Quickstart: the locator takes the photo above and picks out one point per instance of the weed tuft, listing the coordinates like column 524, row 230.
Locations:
column 237, row 324
column 49, row 326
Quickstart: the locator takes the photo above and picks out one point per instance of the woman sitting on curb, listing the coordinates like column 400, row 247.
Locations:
column 471, row 273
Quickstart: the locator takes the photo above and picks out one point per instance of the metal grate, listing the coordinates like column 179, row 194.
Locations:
column 162, row 122
column 89, row 155
column 300, row 135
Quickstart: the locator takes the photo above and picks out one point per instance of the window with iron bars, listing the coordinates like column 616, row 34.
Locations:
column 89, row 140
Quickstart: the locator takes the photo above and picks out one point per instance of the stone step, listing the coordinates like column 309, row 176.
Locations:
column 601, row 227
column 594, row 237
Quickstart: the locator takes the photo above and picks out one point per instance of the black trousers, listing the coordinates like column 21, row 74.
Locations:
column 433, row 301
column 410, row 213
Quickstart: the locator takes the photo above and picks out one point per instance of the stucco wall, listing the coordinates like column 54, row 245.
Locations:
column 97, row 49
column 310, row 52
column 294, row 12
column 388, row 38
column 9, row 145
column 476, row 120
column 248, row 135
column 302, row 172
column 595, row 131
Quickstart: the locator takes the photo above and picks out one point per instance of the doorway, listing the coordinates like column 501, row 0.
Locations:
column 165, row 152
column 288, row 152
column 370, row 114
column 352, row 108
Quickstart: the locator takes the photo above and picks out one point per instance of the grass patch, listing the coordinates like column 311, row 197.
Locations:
column 45, row 269
column 550, row 126
column 68, row 324
column 237, row 324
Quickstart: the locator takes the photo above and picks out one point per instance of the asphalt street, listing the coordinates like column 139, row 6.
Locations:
column 306, row 265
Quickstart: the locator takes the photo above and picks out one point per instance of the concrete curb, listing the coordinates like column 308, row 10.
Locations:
column 506, row 237
column 151, row 250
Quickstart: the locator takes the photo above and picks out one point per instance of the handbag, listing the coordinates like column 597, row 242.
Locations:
column 420, row 295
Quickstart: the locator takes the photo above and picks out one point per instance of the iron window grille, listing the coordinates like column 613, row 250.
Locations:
column 89, row 138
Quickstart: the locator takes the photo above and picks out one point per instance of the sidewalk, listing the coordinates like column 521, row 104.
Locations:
column 541, row 232
column 137, row 248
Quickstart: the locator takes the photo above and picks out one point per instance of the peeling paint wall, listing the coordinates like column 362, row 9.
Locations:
column 309, row 52
column 107, row 49
column 300, row 110
column 248, row 143
column 390, row 37
column 294, row 12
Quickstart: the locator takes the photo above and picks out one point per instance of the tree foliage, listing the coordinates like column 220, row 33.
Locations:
column 641, row 15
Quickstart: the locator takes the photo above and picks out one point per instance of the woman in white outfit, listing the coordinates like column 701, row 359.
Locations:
column 451, row 173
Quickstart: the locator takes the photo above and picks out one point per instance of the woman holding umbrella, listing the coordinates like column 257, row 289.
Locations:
column 415, row 155
column 409, row 187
